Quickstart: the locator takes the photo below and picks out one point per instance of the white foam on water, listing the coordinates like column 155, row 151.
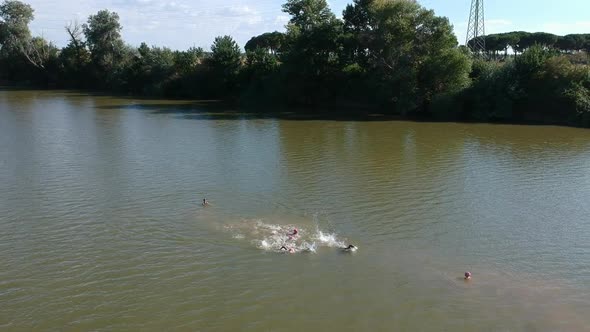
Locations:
column 329, row 239
column 271, row 237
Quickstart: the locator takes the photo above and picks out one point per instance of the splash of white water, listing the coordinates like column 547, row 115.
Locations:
column 273, row 237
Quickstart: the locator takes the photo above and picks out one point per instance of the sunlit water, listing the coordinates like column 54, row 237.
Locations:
column 101, row 226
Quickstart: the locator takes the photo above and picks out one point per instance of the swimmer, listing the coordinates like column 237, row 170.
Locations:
column 350, row 248
column 293, row 236
column 205, row 202
column 291, row 250
column 467, row 275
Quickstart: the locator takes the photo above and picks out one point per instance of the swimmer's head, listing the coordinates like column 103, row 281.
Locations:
column 467, row 275
column 350, row 248
column 294, row 230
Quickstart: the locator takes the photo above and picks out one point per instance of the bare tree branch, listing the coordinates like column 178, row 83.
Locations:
column 74, row 29
column 35, row 50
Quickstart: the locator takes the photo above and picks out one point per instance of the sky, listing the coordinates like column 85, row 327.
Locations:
column 180, row 24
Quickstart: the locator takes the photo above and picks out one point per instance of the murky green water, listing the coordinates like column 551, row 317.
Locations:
column 101, row 227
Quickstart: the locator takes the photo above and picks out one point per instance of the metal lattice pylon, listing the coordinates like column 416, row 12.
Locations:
column 476, row 30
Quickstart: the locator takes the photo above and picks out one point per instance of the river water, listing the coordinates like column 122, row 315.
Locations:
column 101, row 226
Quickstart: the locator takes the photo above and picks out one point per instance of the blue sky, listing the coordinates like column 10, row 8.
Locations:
column 180, row 24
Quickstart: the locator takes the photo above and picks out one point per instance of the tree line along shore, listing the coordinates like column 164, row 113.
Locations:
column 390, row 55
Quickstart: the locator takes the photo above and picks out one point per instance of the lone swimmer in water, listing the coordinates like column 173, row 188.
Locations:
column 467, row 275
column 205, row 202
column 350, row 248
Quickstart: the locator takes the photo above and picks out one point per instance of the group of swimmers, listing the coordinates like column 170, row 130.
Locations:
column 295, row 233
column 350, row 248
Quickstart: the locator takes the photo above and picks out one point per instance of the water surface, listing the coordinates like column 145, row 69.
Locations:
column 101, row 227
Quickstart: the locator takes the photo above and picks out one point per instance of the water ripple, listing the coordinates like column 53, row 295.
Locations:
column 101, row 226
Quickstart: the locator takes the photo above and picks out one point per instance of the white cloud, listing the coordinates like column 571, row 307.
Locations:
column 559, row 28
column 178, row 24
column 239, row 14
column 236, row 11
column 498, row 26
column 281, row 19
column 498, row 22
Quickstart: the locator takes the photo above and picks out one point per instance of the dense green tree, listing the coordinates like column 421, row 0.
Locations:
column 407, row 47
column 188, row 75
column 566, row 43
column 103, row 37
column 537, row 86
column 261, row 62
column 493, row 93
column 186, row 62
column 225, row 64
column 586, row 46
column 260, row 78
column 74, row 58
column 578, row 96
column 270, row 41
column 513, row 40
column 310, row 52
column 531, row 61
column 539, row 38
column 226, row 55
column 493, row 45
column 520, row 41
column 357, row 16
column 40, row 52
column 307, row 15
column 15, row 36
column 544, row 39
column 357, row 32
column 14, row 25
column 151, row 70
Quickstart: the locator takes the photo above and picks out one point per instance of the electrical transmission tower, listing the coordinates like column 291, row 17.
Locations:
column 476, row 30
